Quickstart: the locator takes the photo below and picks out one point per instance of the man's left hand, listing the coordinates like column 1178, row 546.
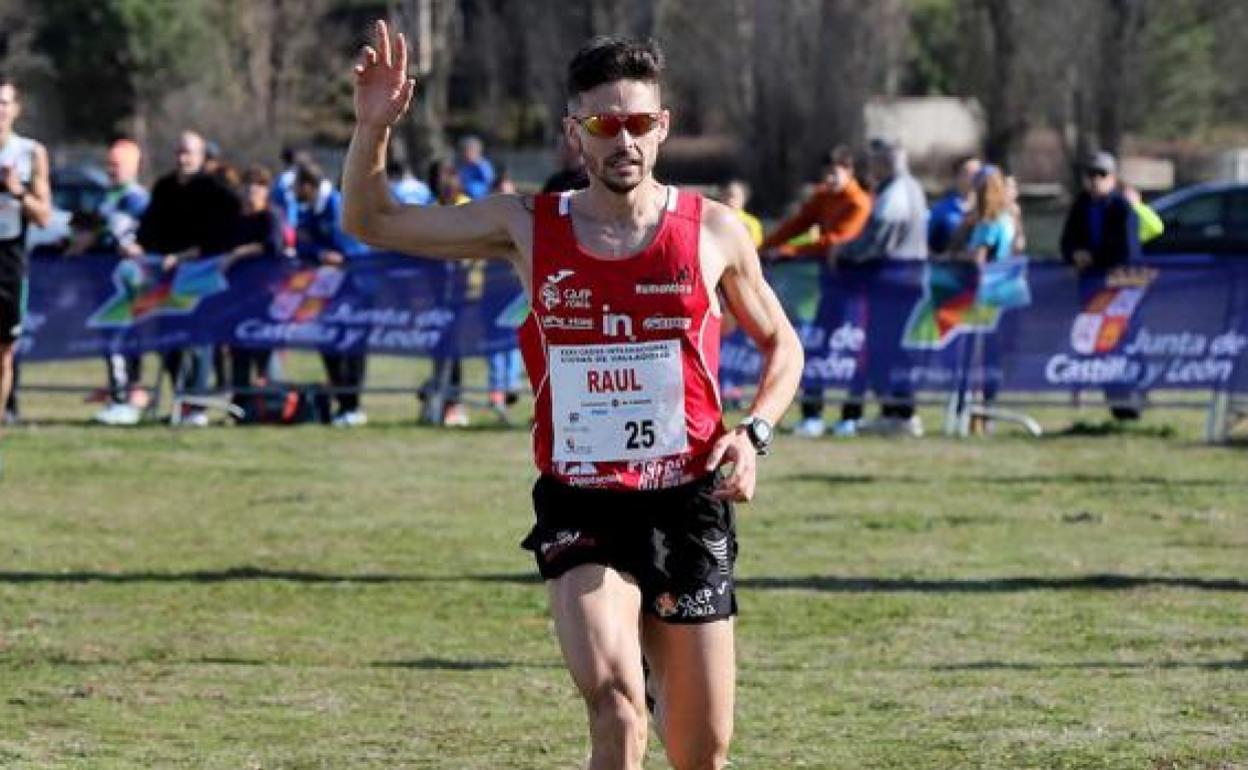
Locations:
column 734, row 447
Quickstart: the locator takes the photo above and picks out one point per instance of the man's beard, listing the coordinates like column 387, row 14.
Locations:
column 616, row 186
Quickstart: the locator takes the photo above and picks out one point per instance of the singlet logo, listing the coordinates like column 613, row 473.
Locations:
column 680, row 283
column 552, row 297
column 658, row 323
column 616, row 324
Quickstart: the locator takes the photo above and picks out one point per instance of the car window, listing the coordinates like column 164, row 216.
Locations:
column 1237, row 210
column 1194, row 212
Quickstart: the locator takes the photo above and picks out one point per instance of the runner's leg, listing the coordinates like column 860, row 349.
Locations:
column 693, row 678
column 596, row 611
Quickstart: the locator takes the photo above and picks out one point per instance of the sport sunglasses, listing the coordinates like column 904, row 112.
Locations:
column 608, row 125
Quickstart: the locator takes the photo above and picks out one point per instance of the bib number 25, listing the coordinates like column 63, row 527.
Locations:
column 640, row 434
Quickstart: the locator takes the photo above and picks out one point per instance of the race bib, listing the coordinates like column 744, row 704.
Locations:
column 618, row 402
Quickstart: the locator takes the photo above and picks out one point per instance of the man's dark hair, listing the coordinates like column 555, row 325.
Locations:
column 307, row 172
column 839, row 156
column 609, row 58
column 961, row 161
column 257, row 175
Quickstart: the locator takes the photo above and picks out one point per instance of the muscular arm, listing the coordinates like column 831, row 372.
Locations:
column 472, row 231
column 37, row 204
column 728, row 250
column 757, row 309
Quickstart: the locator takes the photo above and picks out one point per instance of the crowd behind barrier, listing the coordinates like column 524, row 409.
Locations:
column 890, row 298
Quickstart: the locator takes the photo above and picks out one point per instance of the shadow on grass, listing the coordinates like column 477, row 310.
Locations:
column 830, row 583
column 449, row 664
column 1081, row 479
column 1092, row 665
column 244, row 574
column 1105, row 582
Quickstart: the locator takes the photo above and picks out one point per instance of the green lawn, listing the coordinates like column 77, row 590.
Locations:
column 318, row 598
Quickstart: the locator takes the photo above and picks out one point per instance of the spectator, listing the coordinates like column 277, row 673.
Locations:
column 735, row 194
column 1102, row 231
column 191, row 215
column 283, row 192
column 838, row 209
column 258, row 233
column 949, row 210
column 117, row 220
column 503, row 367
column 1016, row 212
column 320, row 240
column 987, row 232
column 446, row 380
column 406, row 188
column 571, row 174
column 476, row 173
column 986, row 235
column 896, row 230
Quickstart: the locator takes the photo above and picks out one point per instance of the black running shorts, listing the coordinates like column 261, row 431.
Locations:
column 679, row 544
column 10, row 308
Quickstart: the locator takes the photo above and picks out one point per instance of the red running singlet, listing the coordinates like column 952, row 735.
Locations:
column 623, row 354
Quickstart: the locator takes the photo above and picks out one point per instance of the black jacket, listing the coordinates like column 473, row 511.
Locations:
column 200, row 212
column 1119, row 241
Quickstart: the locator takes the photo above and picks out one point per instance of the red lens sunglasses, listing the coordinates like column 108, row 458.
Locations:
column 608, row 125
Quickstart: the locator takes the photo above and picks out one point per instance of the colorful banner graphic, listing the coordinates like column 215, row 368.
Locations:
column 891, row 327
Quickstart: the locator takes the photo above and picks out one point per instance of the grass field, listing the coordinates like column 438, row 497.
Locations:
column 312, row 598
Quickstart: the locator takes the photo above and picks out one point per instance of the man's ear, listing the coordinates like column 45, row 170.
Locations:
column 665, row 125
column 572, row 136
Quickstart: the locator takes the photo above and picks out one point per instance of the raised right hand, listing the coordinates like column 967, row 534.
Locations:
column 382, row 88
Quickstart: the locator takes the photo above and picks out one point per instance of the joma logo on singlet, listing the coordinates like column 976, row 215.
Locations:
column 553, row 296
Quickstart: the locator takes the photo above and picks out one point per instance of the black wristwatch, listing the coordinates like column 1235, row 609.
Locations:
column 760, row 433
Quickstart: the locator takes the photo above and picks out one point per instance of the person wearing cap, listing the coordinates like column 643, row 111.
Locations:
column 1102, row 229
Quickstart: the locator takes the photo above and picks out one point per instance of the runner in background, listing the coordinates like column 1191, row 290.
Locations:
column 25, row 198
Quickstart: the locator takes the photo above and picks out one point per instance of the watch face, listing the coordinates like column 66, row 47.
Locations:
column 762, row 431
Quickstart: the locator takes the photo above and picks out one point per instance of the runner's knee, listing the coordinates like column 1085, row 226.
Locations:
column 705, row 751
column 616, row 716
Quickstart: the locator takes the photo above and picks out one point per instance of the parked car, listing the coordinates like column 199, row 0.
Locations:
column 75, row 189
column 1209, row 218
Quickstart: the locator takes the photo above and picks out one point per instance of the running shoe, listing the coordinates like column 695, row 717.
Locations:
column 811, row 427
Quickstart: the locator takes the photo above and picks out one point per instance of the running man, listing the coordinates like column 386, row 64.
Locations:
column 634, row 534
column 25, row 198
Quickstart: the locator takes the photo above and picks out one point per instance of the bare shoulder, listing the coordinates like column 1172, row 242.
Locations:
column 726, row 230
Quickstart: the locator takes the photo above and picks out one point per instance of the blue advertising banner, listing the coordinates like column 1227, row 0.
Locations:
column 898, row 327
column 890, row 327
column 383, row 303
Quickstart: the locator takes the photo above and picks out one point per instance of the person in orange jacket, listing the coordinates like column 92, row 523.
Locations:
column 837, row 211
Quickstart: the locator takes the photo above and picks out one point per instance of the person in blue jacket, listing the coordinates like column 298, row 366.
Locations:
column 320, row 240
